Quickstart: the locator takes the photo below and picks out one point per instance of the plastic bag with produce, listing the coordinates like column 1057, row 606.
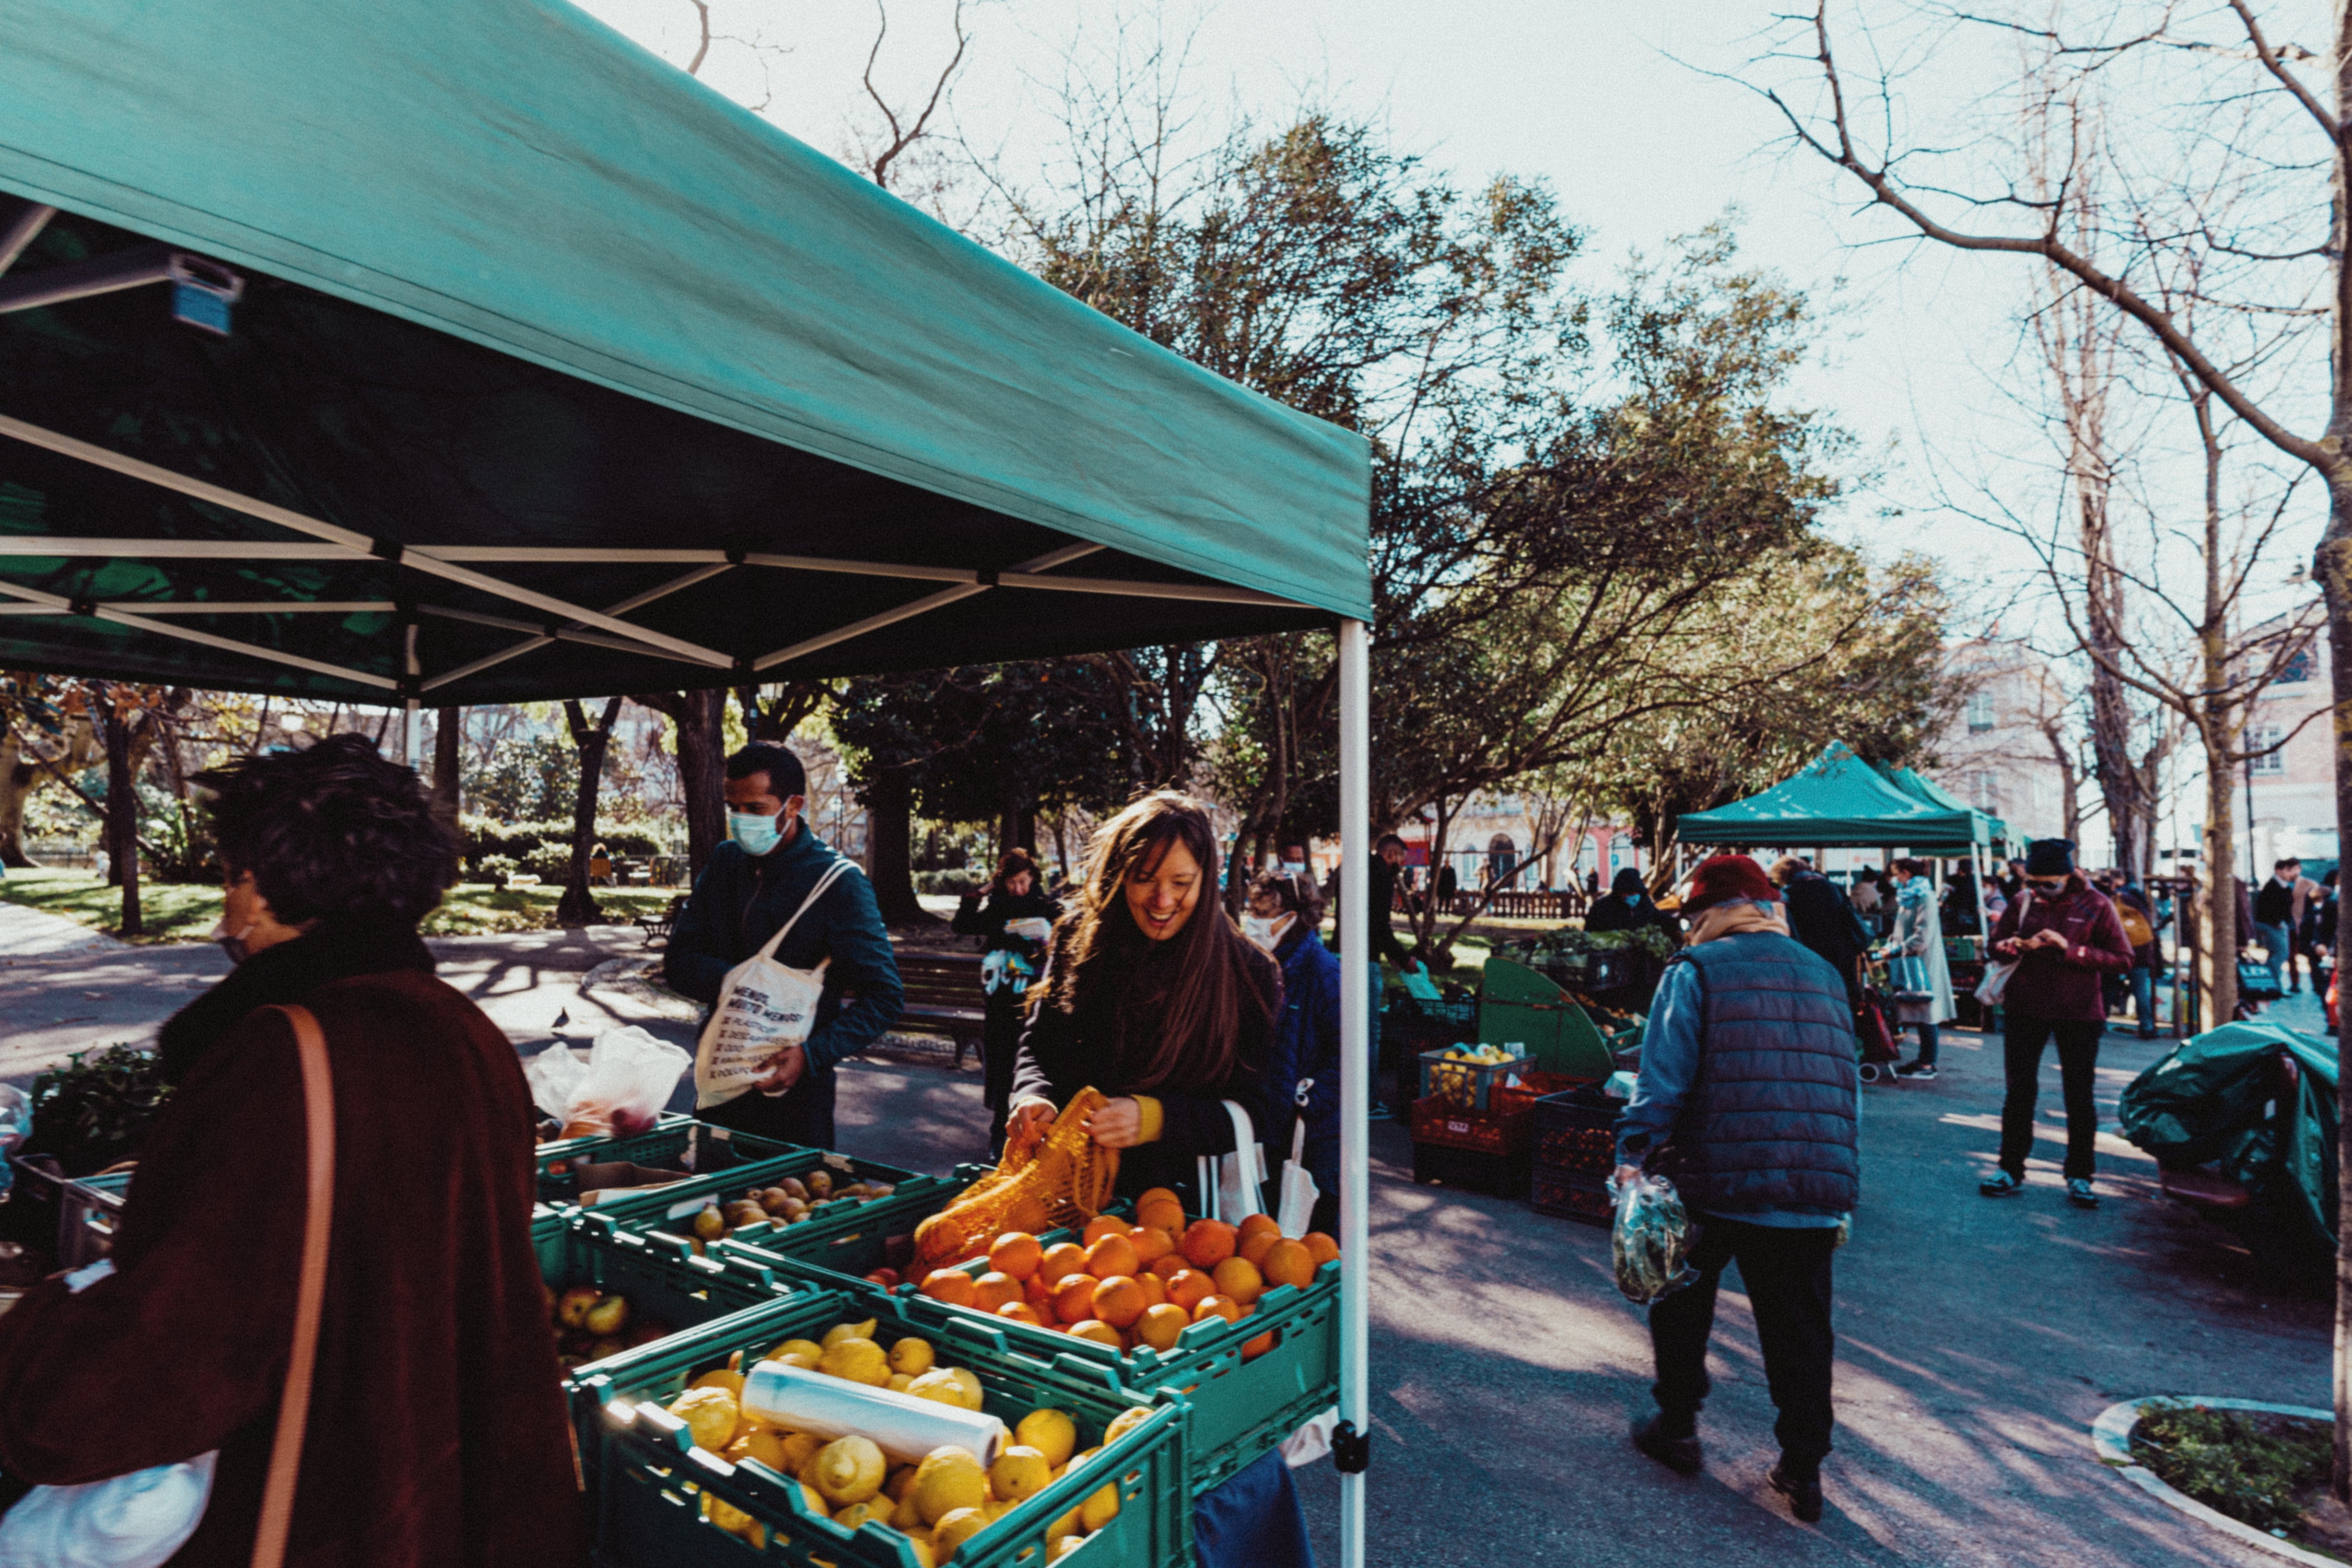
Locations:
column 1651, row 1239
column 629, row 1079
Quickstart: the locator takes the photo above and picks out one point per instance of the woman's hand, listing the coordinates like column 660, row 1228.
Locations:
column 1027, row 1114
column 2006, row 947
column 1118, row 1125
column 2048, row 936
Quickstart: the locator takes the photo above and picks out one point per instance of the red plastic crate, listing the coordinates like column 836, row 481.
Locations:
column 1484, row 1132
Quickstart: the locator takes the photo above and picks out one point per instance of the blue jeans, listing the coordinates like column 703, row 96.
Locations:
column 2143, row 985
column 2277, row 951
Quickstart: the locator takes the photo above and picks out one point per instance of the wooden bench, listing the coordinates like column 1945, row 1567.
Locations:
column 656, row 927
column 943, row 997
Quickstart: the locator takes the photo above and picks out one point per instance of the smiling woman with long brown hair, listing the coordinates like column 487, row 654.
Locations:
column 1151, row 995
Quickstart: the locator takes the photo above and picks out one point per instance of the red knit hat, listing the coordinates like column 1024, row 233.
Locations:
column 1723, row 878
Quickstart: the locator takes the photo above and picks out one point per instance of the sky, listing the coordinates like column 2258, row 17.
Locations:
column 1637, row 118
column 1613, row 104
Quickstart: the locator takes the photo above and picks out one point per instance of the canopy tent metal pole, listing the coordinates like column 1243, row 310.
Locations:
column 59, row 604
column 1355, row 1078
column 357, row 546
column 906, row 611
column 487, row 661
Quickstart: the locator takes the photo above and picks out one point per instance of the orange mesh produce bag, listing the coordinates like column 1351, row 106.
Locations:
column 1058, row 1177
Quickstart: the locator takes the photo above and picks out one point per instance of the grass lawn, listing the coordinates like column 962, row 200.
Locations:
column 178, row 911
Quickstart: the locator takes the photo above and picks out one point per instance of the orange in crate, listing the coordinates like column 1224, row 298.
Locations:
column 1209, row 1242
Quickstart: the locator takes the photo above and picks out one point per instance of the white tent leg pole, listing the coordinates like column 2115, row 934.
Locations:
column 1355, row 1076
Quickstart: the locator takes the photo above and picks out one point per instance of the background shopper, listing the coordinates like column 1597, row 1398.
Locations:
column 2064, row 935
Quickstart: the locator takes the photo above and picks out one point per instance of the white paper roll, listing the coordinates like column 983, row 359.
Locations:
column 901, row 1426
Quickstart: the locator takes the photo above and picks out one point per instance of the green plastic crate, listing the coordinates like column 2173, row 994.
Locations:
column 648, row 1513
column 848, row 1257
column 1239, row 1409
column 678, row 1291
column 672, row 1142
column 841, row 1235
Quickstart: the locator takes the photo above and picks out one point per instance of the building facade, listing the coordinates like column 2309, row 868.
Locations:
column 1999, row 754
column 2288, row 794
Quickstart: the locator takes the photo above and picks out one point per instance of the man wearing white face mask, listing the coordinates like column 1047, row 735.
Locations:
column 1281, row 922
column 754, row 883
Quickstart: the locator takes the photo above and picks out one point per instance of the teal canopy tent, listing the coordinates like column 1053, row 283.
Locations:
column 1841, row 801
column 547, row 370
column 458, row 351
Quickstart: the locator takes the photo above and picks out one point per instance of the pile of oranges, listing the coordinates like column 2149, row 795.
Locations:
column 1133, row 1285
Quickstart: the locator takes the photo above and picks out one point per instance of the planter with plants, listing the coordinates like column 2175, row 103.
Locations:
column 2255, row 1471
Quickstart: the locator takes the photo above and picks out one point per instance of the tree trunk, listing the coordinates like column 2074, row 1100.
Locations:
column 698, row 724
column 121, row 816
column 889, row 838
column 446, row 799
column 578, row 905
column 2222, row 937
column 2332, row 567
column 17, row 777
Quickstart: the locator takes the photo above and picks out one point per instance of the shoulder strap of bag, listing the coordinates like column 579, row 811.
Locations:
column 831, row 874
column 317, row 1217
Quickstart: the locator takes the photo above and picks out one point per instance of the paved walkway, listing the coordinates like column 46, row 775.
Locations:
column 1977, row 1339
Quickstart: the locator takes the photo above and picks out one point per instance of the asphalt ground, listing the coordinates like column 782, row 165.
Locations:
column 1977, row 1339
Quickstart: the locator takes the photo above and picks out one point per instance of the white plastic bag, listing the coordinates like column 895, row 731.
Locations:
column 1312, row 1441
column 553, row 1074
column 629, row 1079
column 763, row 1006
column 138, row 1520
column 1298, row 1192
column 1230, row 1182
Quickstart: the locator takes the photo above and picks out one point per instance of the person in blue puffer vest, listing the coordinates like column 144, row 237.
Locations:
column 1282, row 923
column 1749, row 1098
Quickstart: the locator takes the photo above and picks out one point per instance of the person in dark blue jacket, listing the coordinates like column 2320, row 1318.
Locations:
column 1749, row 1099
column 1305, row 1036
column 753, row 884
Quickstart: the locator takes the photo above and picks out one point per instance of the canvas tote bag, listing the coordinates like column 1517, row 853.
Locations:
column 141, row 1519
column 763, row 1006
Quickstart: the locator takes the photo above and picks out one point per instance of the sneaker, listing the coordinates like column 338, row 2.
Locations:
column 1804, row 1496
column 1999, row 1184
column 1680, row 1455
column 2079, row 1193
column 1916, row 1069
column 1379, row 1113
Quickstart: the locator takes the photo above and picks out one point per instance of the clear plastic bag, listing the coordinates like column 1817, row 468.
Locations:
column 629, row 1079
column 1651, row 1239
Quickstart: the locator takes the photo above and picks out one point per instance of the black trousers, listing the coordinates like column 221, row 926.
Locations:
column 1787, row 1274
column 803, row 1116
column 2078, row 1064
column 1000, row 1038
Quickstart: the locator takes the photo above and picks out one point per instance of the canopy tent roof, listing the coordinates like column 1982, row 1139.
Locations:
column 1840, row 800
column 553, row 373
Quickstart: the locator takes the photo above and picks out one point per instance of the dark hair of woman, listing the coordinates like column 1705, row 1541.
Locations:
column 334, row 832
column 1214, row 974
column 1013, row 863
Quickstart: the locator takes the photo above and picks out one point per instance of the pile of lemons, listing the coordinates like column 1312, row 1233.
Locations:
column 939, row 1504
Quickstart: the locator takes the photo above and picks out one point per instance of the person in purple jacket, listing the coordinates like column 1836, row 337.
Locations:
column 2066, row 939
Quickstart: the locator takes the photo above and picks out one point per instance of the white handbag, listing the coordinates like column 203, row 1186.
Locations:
column 1296, row 1202
column 763, row 1006
column 1230, row 1182
column 1995, row 983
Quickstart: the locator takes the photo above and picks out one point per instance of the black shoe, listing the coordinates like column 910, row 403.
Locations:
column 1916, row 1069
column 1804, row 1497
column 1999, row 1184
column 1680, row 1455
column 2079, row 1193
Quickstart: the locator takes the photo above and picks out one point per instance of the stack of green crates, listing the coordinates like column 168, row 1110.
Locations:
column 673, row 1143
column 648, row 1482
column 840, row 1233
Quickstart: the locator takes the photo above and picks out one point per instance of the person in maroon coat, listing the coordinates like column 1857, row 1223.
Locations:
column 436, row 1432
column 2067, row 938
